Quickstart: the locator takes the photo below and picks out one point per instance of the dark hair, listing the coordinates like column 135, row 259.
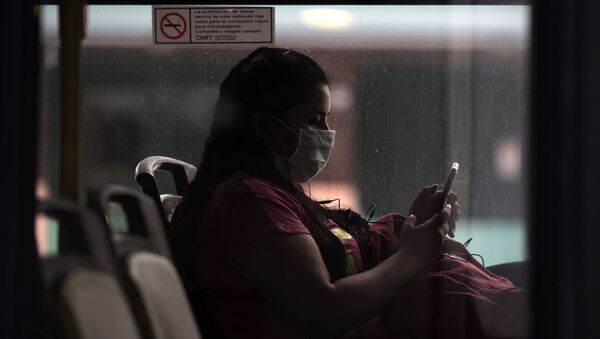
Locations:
column 269, row 81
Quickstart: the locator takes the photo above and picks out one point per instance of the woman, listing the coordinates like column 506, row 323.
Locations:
column 270, row 261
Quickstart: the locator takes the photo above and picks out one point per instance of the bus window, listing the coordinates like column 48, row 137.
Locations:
column 414, row 89
column 46, row 234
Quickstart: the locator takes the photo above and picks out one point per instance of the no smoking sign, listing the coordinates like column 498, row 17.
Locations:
column 216, row 26
column 172, row 25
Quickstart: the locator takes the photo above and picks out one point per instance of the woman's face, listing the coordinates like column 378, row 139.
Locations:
column 310, row 114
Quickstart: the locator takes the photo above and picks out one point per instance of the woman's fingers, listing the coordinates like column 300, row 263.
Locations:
column 421, row 205
column 453, row 218
column 455, row 211
column 427, row 191
column 445, row 215
column 430, row 189
column 407, row 226
column 410, row 221
column 453, row 201
column 441, row 220
column 452, row 198
column 423, row 243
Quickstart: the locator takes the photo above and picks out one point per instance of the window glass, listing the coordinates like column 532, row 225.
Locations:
column 414, row 88
column 46, row 235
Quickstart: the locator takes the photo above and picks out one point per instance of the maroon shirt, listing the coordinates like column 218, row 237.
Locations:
column 452, row 297
column 241, row 210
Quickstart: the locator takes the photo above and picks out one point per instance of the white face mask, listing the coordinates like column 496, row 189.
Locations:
column 310, row 157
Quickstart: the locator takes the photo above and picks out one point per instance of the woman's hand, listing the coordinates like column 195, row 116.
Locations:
column 422, row 243
column 426, row 204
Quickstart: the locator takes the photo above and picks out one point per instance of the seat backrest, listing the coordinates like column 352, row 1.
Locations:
column 145, row 175
column 156, row 291
column 169, row 202
column 183, row 174
column 80, row 279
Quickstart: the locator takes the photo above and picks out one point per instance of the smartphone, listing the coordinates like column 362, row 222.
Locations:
column 448, row 186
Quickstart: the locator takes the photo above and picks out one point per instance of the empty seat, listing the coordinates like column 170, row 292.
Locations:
column 80, row 278
column 156, row 291
column 182, row 172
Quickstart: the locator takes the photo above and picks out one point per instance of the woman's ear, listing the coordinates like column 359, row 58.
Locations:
column 260, row 125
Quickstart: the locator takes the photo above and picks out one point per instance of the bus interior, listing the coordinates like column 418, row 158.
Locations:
column 110, row 141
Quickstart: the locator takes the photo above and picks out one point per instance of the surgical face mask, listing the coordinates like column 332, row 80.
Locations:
column 311, row 154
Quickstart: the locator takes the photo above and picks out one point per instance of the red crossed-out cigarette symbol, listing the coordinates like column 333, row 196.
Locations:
column 173, row 25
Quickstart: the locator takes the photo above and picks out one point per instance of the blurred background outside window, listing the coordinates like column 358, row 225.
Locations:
column 414, row 88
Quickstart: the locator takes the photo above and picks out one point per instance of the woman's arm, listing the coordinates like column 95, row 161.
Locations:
column 289, row 271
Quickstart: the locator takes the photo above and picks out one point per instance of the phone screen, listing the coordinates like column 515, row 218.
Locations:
column 448, row 186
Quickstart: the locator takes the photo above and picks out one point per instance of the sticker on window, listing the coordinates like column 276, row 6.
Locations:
column 213, row 26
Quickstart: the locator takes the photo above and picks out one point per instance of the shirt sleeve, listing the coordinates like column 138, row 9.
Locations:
column 253, row 208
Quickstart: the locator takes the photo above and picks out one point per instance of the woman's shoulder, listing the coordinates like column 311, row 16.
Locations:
column 243, row 208
column 239, row 185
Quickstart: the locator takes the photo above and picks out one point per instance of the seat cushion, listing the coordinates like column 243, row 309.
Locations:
column 97, row 306
column 163, row 295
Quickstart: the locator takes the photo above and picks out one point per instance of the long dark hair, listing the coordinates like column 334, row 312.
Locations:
column 269, row 81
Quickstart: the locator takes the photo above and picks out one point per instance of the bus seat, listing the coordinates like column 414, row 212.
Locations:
column 169, row 202
column 182, row 172
column 155, row 289
column 80, row 278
